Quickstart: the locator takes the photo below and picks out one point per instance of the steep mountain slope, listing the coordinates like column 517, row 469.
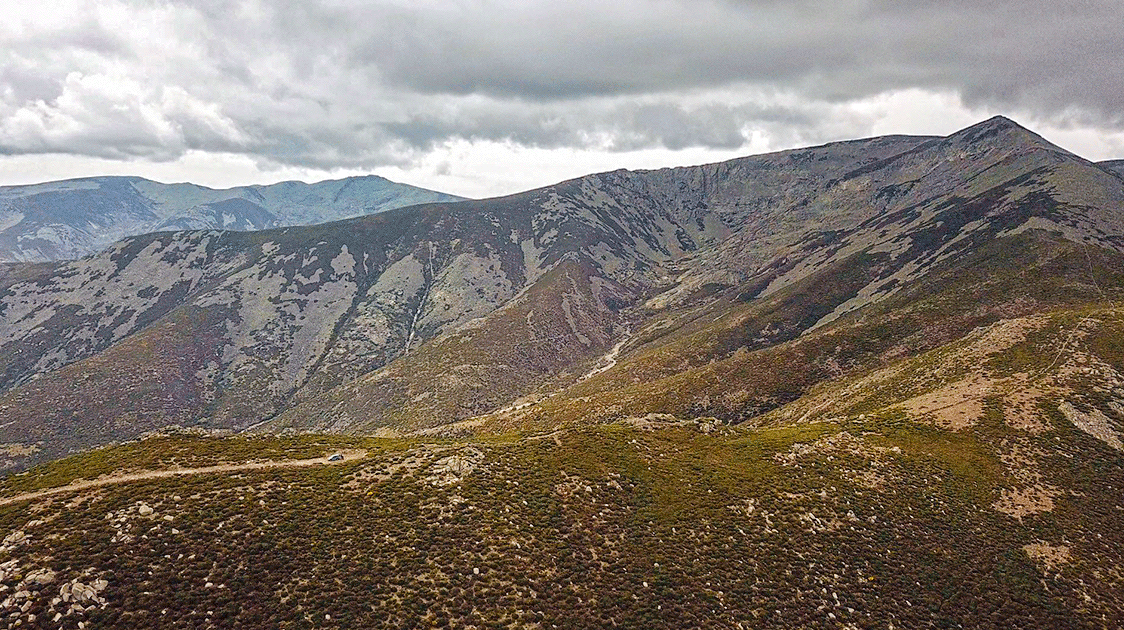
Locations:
column 281, row 316
column 1116, row 166
column 73, row 218
column 606, row 297
column 859, row 238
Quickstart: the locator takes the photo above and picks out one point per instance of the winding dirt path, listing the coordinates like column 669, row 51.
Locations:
column 110, row 480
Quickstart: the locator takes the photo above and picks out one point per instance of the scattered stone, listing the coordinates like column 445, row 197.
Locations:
column 452, row 468
column 80, row 593
column 15, row 539
column 40, row 577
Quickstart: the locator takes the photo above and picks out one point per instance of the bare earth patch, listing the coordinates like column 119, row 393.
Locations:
column 1051, row 557
column 955, row 406
column 1034, row 494
column 1020, row 502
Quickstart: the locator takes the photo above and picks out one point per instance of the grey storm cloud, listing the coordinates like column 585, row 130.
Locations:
column 618, row 125
column 1010, row 50
column 363, row 84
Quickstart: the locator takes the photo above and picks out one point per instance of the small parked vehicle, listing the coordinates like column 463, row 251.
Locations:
column 336, row 457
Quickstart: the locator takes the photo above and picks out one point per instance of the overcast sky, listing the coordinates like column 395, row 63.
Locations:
column 485, row 97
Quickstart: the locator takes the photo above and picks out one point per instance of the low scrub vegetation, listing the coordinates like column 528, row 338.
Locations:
column 825, row 525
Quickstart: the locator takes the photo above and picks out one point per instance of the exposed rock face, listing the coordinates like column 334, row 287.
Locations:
column 420, row 317
column 73, row 218
column 1093, row 422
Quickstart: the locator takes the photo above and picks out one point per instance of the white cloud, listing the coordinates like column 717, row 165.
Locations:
column 116, row 116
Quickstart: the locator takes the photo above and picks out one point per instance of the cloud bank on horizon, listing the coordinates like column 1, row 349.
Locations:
column 488, row 96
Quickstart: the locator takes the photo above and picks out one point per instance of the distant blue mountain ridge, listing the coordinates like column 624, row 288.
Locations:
column 69, row 219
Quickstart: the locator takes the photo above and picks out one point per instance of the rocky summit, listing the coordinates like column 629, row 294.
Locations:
column 870, row 384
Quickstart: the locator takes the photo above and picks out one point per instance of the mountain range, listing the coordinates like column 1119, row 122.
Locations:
column 875, row 383
column 597, row 298
column 70, row 219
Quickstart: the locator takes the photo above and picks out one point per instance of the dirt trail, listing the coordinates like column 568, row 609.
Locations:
column 110, row 480
column 609, row 361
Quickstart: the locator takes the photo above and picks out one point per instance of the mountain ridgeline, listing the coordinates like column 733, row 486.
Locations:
column 876, row 383
column 70, row 219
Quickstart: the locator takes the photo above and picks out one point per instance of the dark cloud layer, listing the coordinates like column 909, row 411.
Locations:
column 362, row 84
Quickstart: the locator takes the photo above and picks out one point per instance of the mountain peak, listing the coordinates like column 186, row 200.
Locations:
column 990, row 127
column 1001, row 130
column 1001, row 122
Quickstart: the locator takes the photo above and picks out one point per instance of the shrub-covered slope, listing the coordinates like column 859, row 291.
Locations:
column 853, row 523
